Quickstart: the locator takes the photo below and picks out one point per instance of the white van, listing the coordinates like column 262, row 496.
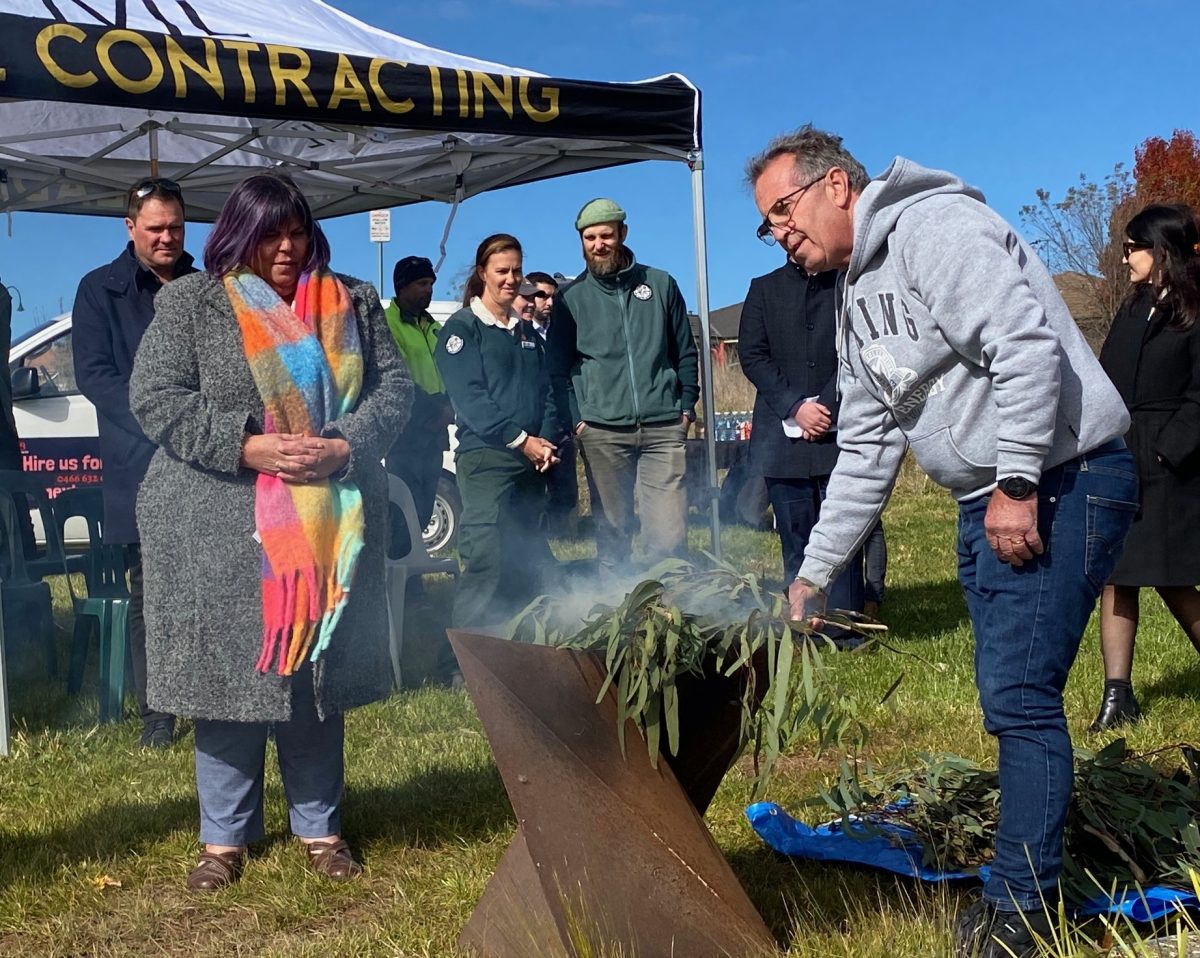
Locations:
column 60, row 439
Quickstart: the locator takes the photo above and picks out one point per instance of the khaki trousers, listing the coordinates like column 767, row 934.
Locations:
column 646, row 461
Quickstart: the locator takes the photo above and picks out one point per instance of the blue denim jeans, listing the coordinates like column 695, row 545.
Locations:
column 230, row 767
column 1028, row 622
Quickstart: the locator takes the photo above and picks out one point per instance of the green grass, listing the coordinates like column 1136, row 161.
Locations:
column 97, row 835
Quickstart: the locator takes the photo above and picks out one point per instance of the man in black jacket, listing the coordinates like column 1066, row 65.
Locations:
column 113, row 307
column 786, row 342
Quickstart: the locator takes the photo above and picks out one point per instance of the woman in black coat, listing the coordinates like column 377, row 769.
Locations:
column 1152, row 355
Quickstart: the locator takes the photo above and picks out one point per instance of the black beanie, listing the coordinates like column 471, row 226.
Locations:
column 409, row 270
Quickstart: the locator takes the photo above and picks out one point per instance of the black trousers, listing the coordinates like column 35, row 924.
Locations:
column 137, row 632
column 420, row 466
column 797, row 505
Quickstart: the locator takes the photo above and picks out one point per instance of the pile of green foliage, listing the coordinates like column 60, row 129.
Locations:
column 1132, row 817
column 704, row 622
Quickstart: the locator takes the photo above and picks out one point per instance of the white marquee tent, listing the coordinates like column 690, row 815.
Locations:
column 97, row 93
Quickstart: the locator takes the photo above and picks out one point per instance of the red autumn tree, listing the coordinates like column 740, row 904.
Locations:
column 1080, row 235
column 1168, row 171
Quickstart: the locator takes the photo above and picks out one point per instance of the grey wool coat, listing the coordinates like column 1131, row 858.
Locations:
column 192, row 392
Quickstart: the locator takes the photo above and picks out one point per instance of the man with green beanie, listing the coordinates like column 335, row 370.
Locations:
column 624, row 369
column 416, row 456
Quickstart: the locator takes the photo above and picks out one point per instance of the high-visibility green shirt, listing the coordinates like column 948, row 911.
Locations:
column 416, row 339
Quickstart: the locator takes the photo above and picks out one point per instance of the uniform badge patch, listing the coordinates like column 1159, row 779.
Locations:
column 454, row 344
column 643, row 292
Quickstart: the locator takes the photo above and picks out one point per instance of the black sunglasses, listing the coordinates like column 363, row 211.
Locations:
column 540, row 294
column 1129, row 246
column 154, row 185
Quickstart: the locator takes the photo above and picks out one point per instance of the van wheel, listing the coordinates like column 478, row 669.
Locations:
column 443, row 522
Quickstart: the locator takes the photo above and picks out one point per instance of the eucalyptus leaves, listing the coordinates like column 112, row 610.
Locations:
column 1132, row 817
column 687, row 621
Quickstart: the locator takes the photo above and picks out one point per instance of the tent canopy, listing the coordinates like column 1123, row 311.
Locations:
column 91, row 90
column 96, row 93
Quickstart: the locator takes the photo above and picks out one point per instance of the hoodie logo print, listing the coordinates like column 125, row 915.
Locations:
column 897, row 381
column 894, row 380
column 643, row 292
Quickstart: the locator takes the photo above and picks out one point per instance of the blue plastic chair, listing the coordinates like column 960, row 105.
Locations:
column 105, row 608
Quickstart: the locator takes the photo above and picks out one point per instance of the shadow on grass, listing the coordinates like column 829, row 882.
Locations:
column 37, row 856
column 799, row 896
column 925, row 610
column 1184, row 684
column 438, row 806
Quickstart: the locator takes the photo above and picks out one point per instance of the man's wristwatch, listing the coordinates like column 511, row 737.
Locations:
column 1016, row 487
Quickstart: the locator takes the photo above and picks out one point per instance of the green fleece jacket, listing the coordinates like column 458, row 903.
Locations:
column 620, row 351
column 496, row 379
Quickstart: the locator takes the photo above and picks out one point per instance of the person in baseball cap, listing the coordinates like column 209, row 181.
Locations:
column 526, row 300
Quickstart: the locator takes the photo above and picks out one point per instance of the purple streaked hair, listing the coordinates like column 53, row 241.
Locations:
column 258, row 205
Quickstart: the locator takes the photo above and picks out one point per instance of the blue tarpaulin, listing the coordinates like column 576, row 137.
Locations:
column 895, row 849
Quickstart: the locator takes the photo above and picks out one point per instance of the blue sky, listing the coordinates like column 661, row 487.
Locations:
column 1012, row 97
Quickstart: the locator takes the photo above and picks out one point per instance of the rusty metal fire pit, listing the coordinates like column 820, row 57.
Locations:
column 608, row 849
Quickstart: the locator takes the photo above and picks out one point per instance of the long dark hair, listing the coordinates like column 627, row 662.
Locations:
column 496, row 243
column 1169, row 231
column 258, row 205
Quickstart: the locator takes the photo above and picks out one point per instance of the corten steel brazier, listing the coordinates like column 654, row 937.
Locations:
column 607, row 846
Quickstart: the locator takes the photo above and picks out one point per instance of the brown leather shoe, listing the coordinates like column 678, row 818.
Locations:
column 216, row 870
column 333, row 860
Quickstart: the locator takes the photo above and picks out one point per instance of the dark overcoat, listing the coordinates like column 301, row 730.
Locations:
column 1156, row 368
column 193, row 394
column 787, row 351
column 113, row 308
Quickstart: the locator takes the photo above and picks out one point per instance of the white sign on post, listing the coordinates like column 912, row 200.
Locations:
column 381, row 226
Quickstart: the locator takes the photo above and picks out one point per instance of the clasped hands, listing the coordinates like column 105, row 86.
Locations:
column 294, row 457
column 540, row 452
column 813, row 418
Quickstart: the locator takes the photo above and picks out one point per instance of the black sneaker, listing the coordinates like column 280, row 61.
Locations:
column 982, row 931
column 158, row 732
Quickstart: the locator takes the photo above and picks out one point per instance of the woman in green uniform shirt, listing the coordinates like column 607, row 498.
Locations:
column 493, row 367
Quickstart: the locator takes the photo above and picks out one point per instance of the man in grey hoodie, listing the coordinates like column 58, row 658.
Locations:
column 953, row 341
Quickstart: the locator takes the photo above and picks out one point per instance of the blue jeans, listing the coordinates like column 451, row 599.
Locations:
column 797, row 506
column 230, row 762
column 1028, row 623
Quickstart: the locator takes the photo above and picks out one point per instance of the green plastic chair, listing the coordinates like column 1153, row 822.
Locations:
column 26, row 598
column 104, row 610
column 8, row 523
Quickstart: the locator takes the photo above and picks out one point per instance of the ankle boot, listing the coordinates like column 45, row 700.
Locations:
column 1118, row 707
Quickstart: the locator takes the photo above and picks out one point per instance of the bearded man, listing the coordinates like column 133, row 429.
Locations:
column 624, row 370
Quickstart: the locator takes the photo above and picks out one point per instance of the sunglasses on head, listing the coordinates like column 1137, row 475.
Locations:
column 155, row 184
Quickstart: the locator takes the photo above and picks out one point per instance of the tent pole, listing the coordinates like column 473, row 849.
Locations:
column 696, row 162
column 153, row 136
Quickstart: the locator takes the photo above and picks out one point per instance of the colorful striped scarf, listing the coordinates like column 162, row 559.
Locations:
column 306, row 361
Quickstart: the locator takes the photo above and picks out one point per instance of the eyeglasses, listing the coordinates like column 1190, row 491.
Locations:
column 540, row 294
column 1129, row 246
column 154, row 185
column 779, row 216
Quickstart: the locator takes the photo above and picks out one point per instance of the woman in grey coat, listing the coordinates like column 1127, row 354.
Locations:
column 272, row 388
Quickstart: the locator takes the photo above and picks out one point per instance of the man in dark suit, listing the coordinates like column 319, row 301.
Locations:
column 113, row 308
column 787, row 346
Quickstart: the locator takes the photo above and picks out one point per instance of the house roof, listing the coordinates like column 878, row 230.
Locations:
column 723, row 323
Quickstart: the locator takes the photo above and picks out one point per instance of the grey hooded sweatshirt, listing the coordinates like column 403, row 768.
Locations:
column 954, row 340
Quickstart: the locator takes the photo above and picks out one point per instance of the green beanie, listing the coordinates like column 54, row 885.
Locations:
column 599, row 210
